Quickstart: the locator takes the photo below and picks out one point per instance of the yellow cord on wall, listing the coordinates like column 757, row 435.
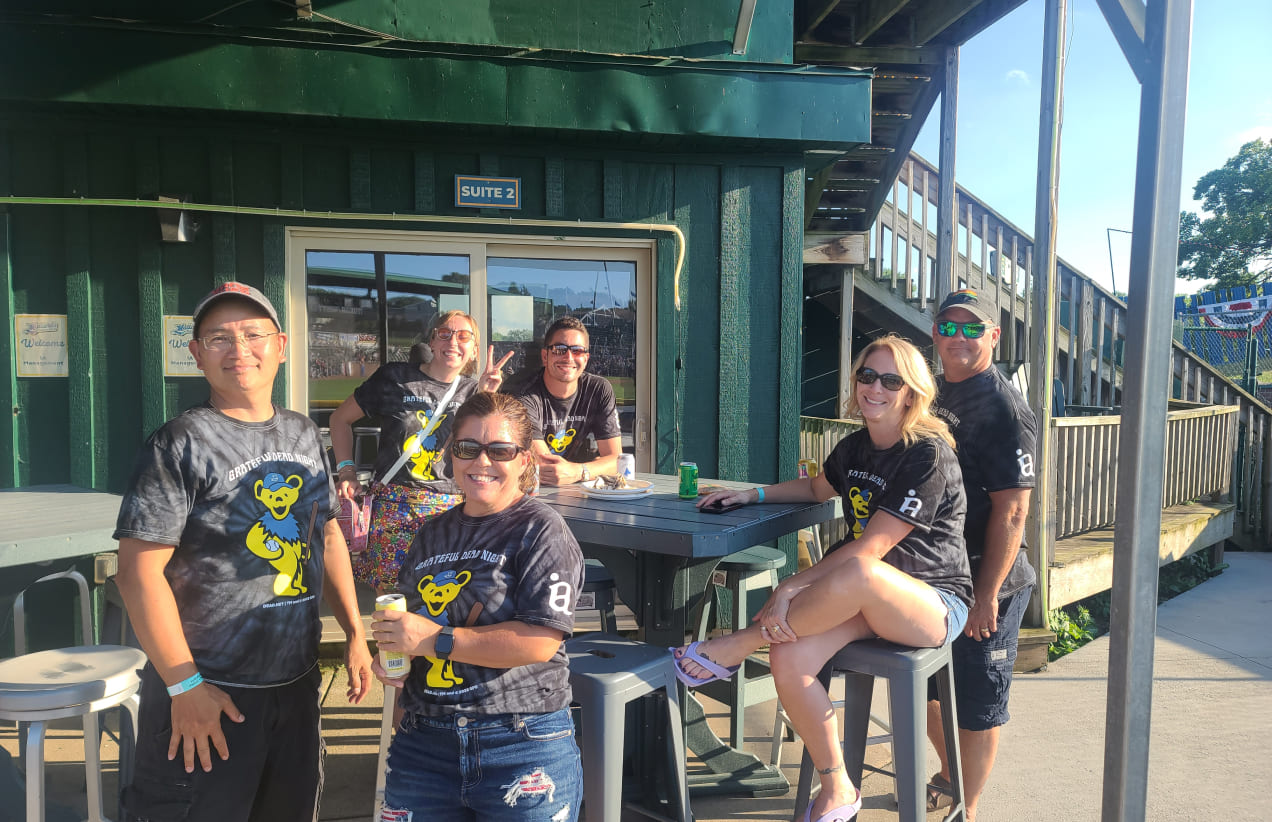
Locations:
column 364, row 217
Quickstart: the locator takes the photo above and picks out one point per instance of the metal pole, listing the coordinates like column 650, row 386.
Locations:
column 1154, row 246
column 946, row 216
column 1043, row 327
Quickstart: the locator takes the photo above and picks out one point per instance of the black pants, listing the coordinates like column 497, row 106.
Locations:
column 274, row 773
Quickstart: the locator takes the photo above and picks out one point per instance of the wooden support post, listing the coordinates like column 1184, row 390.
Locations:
column 847, row 289
column 946, row 215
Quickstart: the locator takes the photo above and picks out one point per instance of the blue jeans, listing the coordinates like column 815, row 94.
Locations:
column 466, row 767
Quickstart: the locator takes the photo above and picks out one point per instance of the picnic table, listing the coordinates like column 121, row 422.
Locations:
column 662, row 550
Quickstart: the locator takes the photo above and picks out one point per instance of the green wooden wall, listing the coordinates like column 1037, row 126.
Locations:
column 727, row 370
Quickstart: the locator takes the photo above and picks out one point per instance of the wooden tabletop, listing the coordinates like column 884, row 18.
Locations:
column 661, row 522
column 52, row 522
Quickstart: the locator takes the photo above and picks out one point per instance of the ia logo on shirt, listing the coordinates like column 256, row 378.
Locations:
column 911, row 504
column 1025, row 461
column 559, row 598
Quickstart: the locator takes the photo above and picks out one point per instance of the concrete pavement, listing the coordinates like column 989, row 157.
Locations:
column 1210, row 756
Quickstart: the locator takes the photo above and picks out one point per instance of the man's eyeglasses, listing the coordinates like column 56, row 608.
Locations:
column 224, row 342
column 972, row 331
column 444, row 334
column 561, row 349
column 892, row 382
column 497, row 451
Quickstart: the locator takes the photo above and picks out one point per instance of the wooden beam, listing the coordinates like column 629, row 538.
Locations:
column 1126, row 19
column 813, row 192
column 935, row 16
column 868, row 55
column 873, row 17
column 818, row 10
column 844, row 249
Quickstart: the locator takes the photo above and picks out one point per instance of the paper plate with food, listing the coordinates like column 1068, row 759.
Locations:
column 615, row 487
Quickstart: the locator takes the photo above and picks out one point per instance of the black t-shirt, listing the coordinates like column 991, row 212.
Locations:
column 572, row 427
column 919, row 484
column 996, row 434
column 404, row 399
column 519, row 564
column 245, row 504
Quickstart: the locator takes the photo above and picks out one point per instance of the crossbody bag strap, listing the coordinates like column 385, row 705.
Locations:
column 424, row 432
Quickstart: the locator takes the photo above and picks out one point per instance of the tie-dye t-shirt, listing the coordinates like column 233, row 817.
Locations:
column 519, row 564
column 245, row 504
column 404, row 399
column 920, row 485
column 571, row 427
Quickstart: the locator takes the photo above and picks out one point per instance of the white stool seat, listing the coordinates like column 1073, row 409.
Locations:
column 82, row 681
column 66, row 679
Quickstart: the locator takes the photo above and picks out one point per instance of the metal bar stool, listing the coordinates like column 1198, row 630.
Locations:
column 907, row 671
column 81, row 681
column 751, row 569
column 606, row 673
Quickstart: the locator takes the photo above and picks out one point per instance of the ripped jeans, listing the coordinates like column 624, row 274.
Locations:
column 502, row 767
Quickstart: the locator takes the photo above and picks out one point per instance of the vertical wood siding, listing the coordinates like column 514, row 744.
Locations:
column 727, row 369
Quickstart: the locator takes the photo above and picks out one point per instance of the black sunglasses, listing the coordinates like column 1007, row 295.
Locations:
column 561, row 349
column 892, row 382
column 972, row 331
column 497, row 451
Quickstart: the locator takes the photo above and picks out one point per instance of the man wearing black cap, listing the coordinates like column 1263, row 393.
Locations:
column 995, row 431
column 227, row 538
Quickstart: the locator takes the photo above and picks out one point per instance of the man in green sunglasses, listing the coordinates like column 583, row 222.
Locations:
column 996, row 433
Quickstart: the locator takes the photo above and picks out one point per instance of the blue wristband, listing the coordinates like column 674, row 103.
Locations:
column 343, row 464
column 760, row 493
column 185, row 685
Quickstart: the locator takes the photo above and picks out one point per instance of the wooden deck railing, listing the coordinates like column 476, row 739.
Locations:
column 1199, row 447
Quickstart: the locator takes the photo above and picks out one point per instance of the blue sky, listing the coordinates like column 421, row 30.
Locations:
column 1229, row 103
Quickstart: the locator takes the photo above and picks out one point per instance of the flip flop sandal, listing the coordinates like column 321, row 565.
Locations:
column 939, row 793
column 714, row 669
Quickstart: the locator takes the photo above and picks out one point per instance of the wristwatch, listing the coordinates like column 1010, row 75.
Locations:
column 444, row 643
column 587, row 475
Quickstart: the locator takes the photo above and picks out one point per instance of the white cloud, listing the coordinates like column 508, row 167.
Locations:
column 1018, row 76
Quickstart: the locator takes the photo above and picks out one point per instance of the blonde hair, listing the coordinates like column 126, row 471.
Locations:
column 440, row 320
column 918, row 421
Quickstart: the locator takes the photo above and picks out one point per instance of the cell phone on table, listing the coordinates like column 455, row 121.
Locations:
column 717, row 508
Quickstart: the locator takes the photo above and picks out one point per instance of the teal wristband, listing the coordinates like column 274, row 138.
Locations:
column 760, row 492
column 343, row 464
column 185, row 685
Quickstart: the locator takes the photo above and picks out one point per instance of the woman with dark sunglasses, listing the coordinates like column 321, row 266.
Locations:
column 491, row 587
column 901, row 574
column 414, row 404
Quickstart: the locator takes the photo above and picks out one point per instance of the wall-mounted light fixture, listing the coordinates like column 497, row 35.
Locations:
column 176, row 225
column 742, row 32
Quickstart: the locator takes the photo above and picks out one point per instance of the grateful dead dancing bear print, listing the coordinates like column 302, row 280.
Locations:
column 860, row 501
column 276, row 535
column 559, row 441
column 438, row 592
column 423, row 449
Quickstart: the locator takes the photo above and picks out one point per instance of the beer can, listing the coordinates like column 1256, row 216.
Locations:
column 688, row 480
column 627, row 466
column 808, row 468
column 394, row 663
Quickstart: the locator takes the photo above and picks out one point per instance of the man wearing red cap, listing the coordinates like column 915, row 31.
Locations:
column 227, row 539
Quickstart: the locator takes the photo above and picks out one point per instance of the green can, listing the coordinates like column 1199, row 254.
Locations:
column 688, row 480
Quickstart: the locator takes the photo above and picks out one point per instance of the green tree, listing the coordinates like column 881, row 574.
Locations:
column 1232, row 242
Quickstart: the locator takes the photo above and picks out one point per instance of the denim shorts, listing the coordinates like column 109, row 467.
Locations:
column 955, row 615
column 470, row 767
column 982, row 670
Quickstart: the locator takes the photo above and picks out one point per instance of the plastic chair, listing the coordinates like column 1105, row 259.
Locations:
column 606, row 673
column 751, row 569
column 907, row 671
column 598, row 594
column 80, row 681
